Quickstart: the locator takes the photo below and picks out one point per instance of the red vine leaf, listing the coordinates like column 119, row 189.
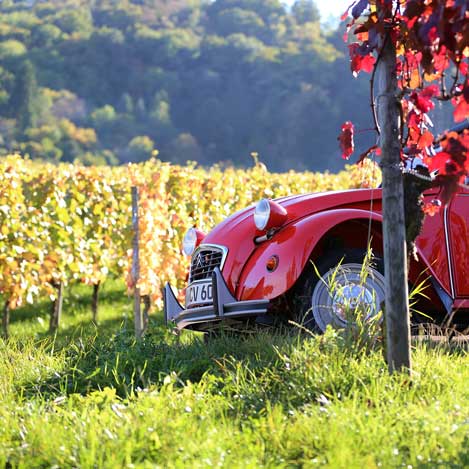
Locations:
column 463, row 68
column 346, row 140
column 425, row 140
column 423, row 100
column 431, row 40
column 432, row 208
column 359, row 62
column 438, row 162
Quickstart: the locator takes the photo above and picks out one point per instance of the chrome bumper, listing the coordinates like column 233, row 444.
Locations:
column 224, row 306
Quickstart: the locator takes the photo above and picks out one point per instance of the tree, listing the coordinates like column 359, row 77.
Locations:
column 103, row 115
column 11, row 48
column 45, row 35
column 236, row 74
column 78, row 21
column 140, row 148
column 305, row 11
column 237, row 20
column 420, row 51
column 25, row 99
column 266, row 9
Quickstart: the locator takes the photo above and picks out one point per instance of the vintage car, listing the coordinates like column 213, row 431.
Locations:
column 278, row 259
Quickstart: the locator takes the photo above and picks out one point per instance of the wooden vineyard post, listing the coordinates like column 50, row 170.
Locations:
column 138, row 320
column 56, row 312
column 94, row 302
column 6, row 319
column 146, row 309
column 394, row 240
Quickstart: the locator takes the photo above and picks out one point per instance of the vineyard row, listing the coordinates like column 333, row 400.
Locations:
column 69, row 223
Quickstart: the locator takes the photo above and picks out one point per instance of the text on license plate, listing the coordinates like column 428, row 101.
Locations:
column 199, row 293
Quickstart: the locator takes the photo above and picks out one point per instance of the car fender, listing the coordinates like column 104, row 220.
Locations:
column 293, row 245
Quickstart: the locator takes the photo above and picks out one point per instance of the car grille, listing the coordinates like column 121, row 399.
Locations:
column 204, row 261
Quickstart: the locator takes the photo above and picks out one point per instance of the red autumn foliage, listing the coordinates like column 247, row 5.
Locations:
column 425, row 140
column 360, row 62
column 432, row 208
column 346, row 140
column 423, row 99
column 432, row 41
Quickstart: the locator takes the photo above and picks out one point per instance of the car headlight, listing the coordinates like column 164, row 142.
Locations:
column 192, row 239
column 262, row 214
column 269, row 214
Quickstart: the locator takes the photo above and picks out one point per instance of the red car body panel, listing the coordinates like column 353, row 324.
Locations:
column 458, row 222
column 431, row 246
column 238, row 231
column 256, row 281
column 444, row 246
column 461, row 304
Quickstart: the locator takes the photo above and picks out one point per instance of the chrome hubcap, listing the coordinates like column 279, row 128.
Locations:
column 352, row 297
column 344, row 294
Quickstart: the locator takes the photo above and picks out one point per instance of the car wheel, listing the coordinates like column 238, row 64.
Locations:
column 339, row 290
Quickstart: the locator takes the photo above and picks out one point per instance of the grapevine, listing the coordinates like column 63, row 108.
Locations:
column 68, row 223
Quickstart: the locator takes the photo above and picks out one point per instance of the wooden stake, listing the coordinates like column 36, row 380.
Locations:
column 6, row 319
column 56, row 312
column 146, row 310
column 138, row 320
column 394, row 239
column 94, row 302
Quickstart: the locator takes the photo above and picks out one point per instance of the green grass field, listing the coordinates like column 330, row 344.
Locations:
column 92, row 397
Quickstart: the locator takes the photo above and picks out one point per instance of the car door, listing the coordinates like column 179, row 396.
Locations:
column 457, row 221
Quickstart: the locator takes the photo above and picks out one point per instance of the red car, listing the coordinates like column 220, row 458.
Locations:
column 278, row 260
column 257, row 263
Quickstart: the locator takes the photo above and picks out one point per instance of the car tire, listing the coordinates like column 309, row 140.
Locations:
column 336, row 284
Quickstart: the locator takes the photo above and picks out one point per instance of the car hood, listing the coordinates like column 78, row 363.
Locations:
column 237, row 232
column 297, row 206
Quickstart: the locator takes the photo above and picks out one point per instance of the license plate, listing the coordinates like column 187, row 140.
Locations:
column 199, row 293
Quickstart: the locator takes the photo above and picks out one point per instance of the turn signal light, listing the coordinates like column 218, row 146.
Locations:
column 272, row 263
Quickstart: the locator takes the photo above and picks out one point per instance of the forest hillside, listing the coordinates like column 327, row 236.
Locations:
column 110, row 81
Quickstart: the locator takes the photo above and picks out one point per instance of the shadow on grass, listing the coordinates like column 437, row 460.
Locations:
column 30, row 312
column 285, row 369
column 83, row 300
column 66, row 336
column 109, row 356
column 77, row 300
column 102, row 359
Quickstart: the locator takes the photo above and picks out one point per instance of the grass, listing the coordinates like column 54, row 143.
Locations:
column 93, row 397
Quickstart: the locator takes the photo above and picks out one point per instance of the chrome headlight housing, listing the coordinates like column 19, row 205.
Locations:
column 262, row 214
column 268, row 215
column 191, row 240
